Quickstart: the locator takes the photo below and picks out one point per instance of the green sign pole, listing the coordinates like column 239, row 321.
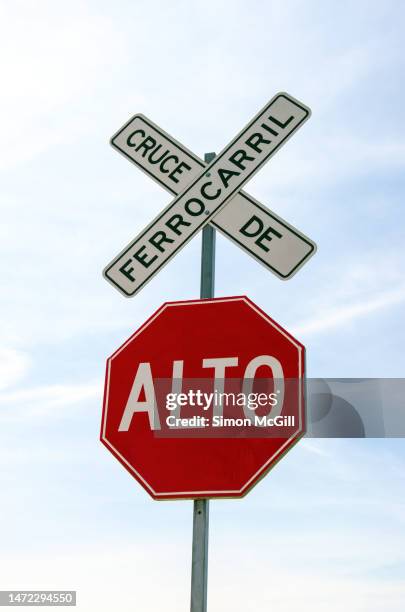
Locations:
column 199, row 566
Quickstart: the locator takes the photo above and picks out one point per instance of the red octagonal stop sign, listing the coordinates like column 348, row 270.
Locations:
column 221, row 344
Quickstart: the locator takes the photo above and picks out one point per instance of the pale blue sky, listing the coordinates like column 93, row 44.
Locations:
column 325, row 529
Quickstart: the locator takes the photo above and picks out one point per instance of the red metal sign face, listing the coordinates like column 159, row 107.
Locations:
column 221, row 344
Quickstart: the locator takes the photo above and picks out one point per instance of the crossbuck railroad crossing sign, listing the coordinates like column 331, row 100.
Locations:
column 210, row 193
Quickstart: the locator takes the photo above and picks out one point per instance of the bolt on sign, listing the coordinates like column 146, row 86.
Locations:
column 196, row 410
column 210, row 193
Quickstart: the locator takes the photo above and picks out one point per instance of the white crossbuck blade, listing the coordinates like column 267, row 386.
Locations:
column 210, row 194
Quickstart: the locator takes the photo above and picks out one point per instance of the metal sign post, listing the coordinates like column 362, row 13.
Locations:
column 199, row 563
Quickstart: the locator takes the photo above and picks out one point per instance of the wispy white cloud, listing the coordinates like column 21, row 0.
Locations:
column 50, row 401
column 340, row 315
column 14, row 365
column 58, row 58
column 315, row 448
